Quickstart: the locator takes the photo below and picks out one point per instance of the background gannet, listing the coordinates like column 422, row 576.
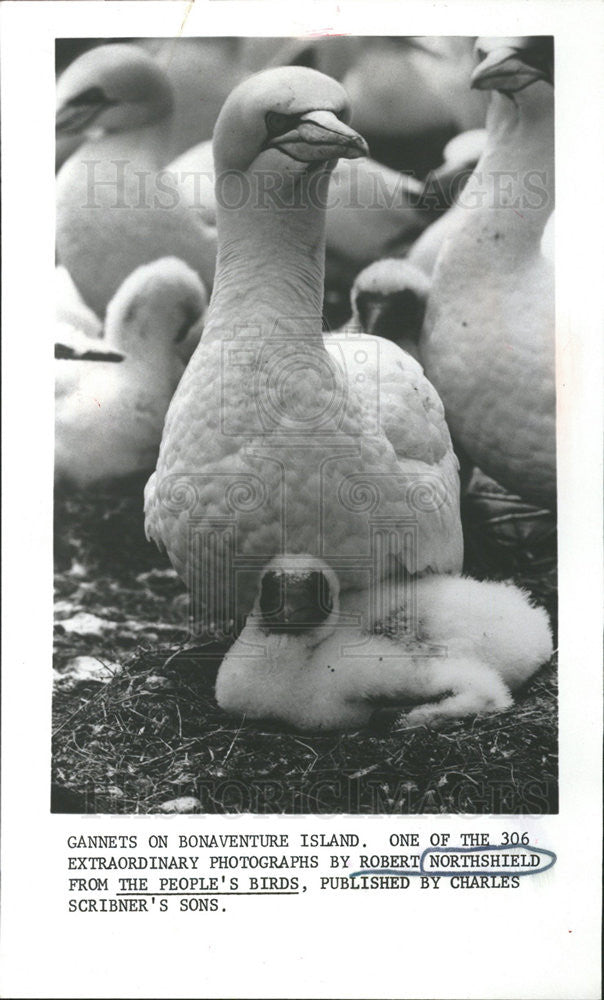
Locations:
column 488, row 339
column 115, row 210
column 110, row 401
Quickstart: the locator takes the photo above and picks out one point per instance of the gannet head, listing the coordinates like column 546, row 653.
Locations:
column 388, row 299
column 298, row 594
column 160, row 304
column 112, row 88
column 509, row 65
column 290, row 119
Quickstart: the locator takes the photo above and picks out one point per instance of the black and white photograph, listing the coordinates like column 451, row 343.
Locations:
column 305, row 453
column 302, row 506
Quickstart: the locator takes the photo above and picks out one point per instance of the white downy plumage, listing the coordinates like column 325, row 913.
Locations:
column 115, row 210
column 109, row 414
column 488, row 339
column 279, row 439
column 443, row 648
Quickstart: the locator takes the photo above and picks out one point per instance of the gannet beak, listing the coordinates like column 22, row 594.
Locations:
column 77, row 114
column 369, row 306
column 507, row 70
column 75, row 119
column 320, row 135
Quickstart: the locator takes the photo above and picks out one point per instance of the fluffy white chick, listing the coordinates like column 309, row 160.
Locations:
column 442, row 647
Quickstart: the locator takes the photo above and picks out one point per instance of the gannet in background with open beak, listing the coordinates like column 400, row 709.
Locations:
column 456, row 647
column 114, row 209
column 488, row 338
column 111, row 395
column 279, row 439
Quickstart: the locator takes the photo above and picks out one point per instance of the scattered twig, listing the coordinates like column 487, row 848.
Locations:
column 232, row 744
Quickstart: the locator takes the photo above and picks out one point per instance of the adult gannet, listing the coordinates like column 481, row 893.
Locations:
column 445, row 648
column 111, row 397
column 488, row 338
column 279, row 439
column 115, row 210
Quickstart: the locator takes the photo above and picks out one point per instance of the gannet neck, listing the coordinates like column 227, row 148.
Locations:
column 529, row 114
column 517, row 168
column 270, row 265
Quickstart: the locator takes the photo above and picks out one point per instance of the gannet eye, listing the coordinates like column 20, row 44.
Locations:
column 278, row 124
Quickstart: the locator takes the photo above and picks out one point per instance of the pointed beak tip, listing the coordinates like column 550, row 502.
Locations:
column 323, row 136
column 360, row 147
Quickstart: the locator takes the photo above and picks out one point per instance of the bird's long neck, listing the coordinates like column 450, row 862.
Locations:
column 525, row 120
column 271, row 260
column 518, row 162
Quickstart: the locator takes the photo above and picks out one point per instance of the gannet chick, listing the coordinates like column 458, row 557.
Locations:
column 388, row 299
column 111, row 399
column 115, row 209
column 278, row 437
column 302, row 660
column 488, row 338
